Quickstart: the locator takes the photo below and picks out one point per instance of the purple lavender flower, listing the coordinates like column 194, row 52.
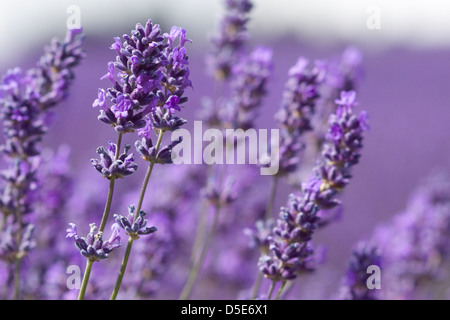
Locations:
column 297, row 223
column 414, row 246
column 10, row 249
column 232, row 35
column 113, row 169
column 54, row 73
column 148, row 151
column 287, row 261
column 261, row 235
column 134, row 227
column 92, row 246
column 149, row 73
column 153, row 260
column 220, row 196
column 342, row 74
column 250, row 86
column 298, row 106
column 20, row 175
column 355, row 283
column 26, row 97
column 164, row 121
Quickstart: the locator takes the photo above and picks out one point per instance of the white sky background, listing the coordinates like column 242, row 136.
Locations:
column 417, row 23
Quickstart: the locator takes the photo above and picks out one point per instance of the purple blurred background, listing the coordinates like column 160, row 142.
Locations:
column 405, row 90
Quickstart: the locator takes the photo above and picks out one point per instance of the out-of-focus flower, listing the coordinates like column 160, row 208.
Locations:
column 414, row 246
column 355, row 285
column 228, row 42
column 298, row 106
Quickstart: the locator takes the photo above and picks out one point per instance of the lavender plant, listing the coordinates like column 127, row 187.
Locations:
column 247, row 75
column 229, row 42
column 354, row 285
column 148, row 80
column 414, row 245
column 290, row 242
column 27, row 99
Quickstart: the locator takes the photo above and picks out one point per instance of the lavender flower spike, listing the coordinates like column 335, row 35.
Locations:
column 299, row 101
column 150, row 72
column 110, row 168
column 26, row 97
column 232, row 35
column 355, row 282
column 134, row 227
column 148, row 151
column 92, row 246
column 10, row 250
column 297, row 223
column 250, row 86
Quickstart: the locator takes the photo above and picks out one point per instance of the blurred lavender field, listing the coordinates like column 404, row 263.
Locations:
column 405, row 92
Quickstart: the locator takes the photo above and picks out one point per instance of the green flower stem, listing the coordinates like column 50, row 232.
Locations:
column 271, row 288
column 268, row 215
column 185, row 293
column 257, row 285
column 201, row 227
column 288, row 287
column 283, row 284
column 200, row 233
column 19, row 240
column 111, row 189
column 17, row 279
column 271, row 201
column 87, row 273
column 136, row 214
column 105, row 215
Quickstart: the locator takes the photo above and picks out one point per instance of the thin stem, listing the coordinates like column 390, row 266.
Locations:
column 272, row 286
column 87, row 273
column 123, row 266
column 19, row 240
column 185, row 293
column 201, row 228
column 107, row 205
column 3, row 222
column 283, row 284
column 122, row 269
column 256, row 286
column 287, row 288
column 105, row 215
column 110, row 189
column 147, row 175
column 270, row 202
column 218, row 90
column 17, row 279
column 200, row 233
column 268, row 215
